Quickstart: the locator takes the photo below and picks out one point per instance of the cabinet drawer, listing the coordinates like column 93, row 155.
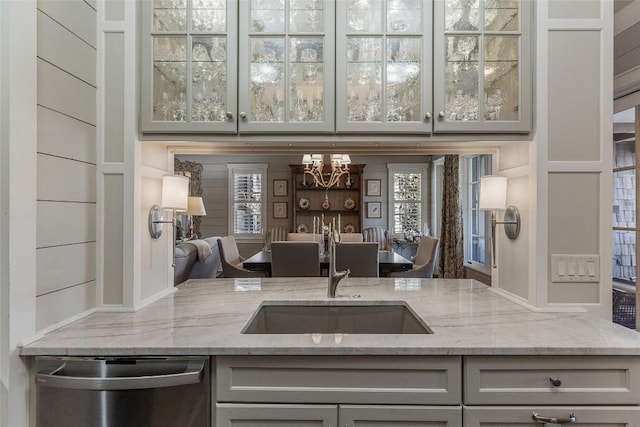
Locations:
column 338, row 379
column 582, row 380
column 602, row 416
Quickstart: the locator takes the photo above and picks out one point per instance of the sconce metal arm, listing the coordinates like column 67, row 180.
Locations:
column 511, row 228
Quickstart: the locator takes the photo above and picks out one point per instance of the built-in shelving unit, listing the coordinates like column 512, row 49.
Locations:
column 344, row 200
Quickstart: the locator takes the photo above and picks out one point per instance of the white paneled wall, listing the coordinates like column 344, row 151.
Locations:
column 66, row 170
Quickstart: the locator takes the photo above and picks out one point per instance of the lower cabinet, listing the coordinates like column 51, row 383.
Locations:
column 600, row 416
column 260, row 415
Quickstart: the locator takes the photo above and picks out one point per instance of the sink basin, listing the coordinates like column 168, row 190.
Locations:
column 330, row 317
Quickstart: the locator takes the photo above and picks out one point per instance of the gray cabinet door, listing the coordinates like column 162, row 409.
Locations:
column 518, row 416
column 286, row 71
column 383, row 66
column 255, row 415
column 400, row 416
column 482, row 66
column 189, row 66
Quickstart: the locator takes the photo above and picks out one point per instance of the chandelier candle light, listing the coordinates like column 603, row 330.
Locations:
column 314, row 164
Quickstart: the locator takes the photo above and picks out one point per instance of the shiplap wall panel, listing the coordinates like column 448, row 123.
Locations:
column 64, row 179
column 65, row 50
column 65, row 136
column 79, row 17
column 58, row 306
column 61, row 267
column 62, row 92
column 64, row 223
column 627, row 50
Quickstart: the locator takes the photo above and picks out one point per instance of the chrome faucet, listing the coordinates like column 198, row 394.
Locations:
column 334, row 276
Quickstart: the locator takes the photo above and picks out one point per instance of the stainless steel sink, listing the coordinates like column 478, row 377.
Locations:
column 329, row 317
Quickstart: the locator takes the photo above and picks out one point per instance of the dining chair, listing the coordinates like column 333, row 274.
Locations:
column 295, row 259
column 232, row 261
column 276, row 234
column 303, row 237
column 424, row 261
column 351, row 237
column 377, row 234
column 360, row 258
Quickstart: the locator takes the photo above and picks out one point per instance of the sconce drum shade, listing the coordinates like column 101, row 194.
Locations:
column 493, row 193
column 175, row 192
column 196, row 206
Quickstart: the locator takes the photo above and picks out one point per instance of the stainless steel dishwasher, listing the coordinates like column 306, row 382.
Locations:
column 123, row 392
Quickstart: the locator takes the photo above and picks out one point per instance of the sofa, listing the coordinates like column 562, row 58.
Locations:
column 189, row 264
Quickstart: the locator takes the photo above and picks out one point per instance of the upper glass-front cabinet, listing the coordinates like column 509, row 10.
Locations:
column 482, row 73
column 286, row 76
column 189, row 66
column 384, row 66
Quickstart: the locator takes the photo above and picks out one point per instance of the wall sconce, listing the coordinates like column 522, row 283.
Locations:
column 175, row 193
column 493, row 197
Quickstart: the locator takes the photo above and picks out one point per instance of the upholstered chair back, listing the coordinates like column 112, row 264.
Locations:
column 295, row 259
column 360, row 258
column 352, row 237
column 231, row 260
column 303, row 237
column 425, row 260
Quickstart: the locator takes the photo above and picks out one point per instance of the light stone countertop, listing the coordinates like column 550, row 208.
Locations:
column 206, row 317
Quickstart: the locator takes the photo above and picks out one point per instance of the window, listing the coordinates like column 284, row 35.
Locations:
column 407, row 198
column 247, row 205
column 475, row 220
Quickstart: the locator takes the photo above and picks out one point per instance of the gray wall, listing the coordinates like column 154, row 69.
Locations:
column 66, row 188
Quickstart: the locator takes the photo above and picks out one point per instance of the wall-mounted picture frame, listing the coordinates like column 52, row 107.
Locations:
column 374, row 210
column 280, row 209
column 374, row 187
column 280, row 187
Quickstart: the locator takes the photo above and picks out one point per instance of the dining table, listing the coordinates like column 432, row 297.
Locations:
column 388, row 261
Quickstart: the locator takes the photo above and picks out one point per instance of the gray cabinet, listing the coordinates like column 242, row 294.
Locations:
column 328, row 66
column 482, row 66
column 287, row 65
column 189, row 66
column 383, row 74
column 594, row 390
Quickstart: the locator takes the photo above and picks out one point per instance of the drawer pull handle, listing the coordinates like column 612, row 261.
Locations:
column 554, row 420
column 555, row 381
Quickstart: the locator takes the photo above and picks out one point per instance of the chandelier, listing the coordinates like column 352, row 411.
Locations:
column 314, row 164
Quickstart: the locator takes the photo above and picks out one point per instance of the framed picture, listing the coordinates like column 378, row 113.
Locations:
column 373, row 187
column 280, row 209
column 279, row 187
column 374, row 209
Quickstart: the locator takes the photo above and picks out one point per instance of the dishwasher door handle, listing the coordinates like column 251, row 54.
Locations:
column 191, row 375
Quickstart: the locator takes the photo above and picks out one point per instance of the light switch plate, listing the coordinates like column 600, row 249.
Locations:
column 575, row 268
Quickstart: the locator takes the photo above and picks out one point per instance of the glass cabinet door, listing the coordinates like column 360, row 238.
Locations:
column 189, row 66
column 286, row 79
column 383, row 72
column 482, row 76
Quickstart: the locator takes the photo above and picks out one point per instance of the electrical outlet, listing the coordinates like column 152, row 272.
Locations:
column 575, row 268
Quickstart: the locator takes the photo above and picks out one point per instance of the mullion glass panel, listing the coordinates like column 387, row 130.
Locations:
column 267, row 16
column 169, row 16
column 267, row 79
column 364, row 16
column 461, row 78
column 624, row 198
column 404, row 16
column 501, row 77
column 306, row 79
column 364, row 79
column 169, row 78
column 462, row 15
column 306, row 16
column 209, row 16
column 208, row 79
column 501, row 15
column 403, row 79
column 624, row 255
